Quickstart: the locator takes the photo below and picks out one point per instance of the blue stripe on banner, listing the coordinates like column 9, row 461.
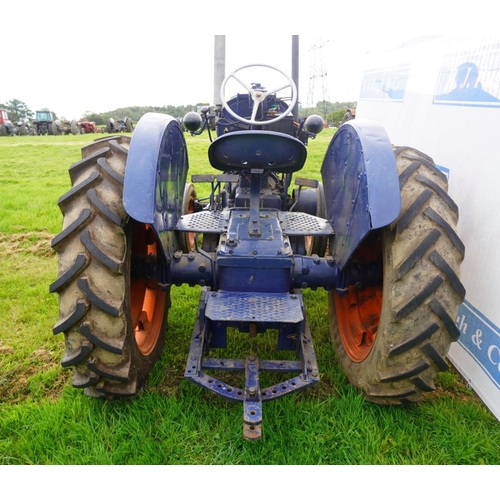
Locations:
column 446, row 171
column 481, row 339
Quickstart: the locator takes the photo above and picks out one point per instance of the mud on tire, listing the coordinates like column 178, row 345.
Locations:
column 111, row 314
column 392, row 339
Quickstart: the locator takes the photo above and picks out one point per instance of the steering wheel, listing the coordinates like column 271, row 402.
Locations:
column 258, row 95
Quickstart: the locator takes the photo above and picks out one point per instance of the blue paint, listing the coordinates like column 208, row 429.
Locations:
column 156, row 171
column 155, row 176
column 361, row 185
column 481, row 339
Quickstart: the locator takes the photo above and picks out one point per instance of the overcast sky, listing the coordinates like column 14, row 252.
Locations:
column 73, row 57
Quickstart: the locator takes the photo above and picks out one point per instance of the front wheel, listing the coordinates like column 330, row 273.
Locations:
column 112, row 309
column 392, row 339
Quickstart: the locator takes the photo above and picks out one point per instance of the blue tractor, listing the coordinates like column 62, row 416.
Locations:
column 378, row 233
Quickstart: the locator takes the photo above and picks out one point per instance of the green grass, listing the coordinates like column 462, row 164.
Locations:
column 43, row 420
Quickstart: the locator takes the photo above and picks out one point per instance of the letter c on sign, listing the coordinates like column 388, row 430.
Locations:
column 494, row 355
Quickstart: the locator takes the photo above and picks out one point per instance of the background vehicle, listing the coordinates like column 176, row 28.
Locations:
column 124, row 125
column 45, row 123
column 87, row 127
column 6, row 126
column 21, row 127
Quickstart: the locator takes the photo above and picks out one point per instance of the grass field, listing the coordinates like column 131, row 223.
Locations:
column 43, row 420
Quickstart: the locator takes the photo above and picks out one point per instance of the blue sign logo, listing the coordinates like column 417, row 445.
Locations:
column 481, row 339
column 471, row 78
column 385, row 84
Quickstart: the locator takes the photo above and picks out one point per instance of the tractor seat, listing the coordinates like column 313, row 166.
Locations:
column 257, row 149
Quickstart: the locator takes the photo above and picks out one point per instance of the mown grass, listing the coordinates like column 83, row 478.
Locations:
column 43, row 420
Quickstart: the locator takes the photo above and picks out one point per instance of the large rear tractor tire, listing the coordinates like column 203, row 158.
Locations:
column 393, row 339
column 112, row 314
column 56, row 127
column 129, row 125
column 75, row 130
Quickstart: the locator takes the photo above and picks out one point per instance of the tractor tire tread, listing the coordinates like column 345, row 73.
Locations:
column 421, row 294
column 100, row 343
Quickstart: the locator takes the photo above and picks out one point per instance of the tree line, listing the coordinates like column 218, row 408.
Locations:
column 333, row 113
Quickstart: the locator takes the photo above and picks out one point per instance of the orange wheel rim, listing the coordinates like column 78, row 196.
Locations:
column 309, row 242
column 191, row 236
column 358, row 317
column 147, row 300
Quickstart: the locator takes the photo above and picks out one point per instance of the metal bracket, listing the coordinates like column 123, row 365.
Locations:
column 252, row 400
column 252, row 396
column 254, row 228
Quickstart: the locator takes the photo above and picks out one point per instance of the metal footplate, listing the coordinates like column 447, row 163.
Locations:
column 292, row 223
column 204, row 222
column 302, row 224
column 255, row 307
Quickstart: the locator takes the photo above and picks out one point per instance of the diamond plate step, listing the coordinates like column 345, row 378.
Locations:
column 292, row 223
column 204, row 222
column 299, row 223
column 257, row 307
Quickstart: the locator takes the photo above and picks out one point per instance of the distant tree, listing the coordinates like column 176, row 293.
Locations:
column 17, row 110
column 336, row 117
column 136, row 112
column 332, row 112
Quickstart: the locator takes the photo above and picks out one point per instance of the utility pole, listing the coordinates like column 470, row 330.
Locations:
column 317, row 73
column 295, row 71
column 219, row 67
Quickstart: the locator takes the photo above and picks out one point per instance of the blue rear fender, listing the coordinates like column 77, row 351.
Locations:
column 155, row 175
column 361, row 185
